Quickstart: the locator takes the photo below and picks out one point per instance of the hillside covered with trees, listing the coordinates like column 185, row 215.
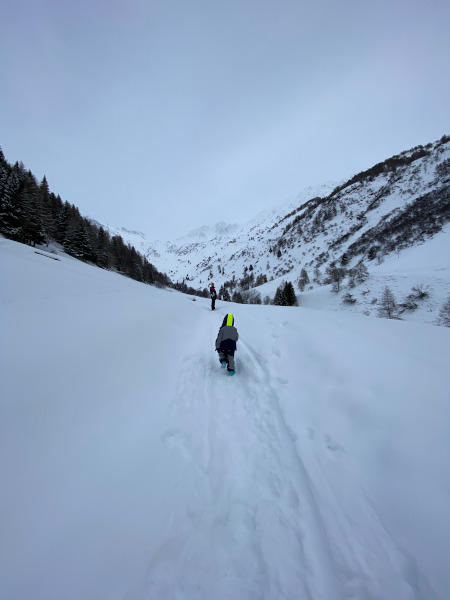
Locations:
column 31, row 214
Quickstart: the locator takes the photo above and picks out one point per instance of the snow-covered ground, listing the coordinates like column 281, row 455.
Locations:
column 133, row 468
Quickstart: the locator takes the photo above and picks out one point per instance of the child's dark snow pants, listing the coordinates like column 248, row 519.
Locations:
column 229, row 358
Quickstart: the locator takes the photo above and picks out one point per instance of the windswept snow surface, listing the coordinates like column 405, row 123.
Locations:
column 132, row 467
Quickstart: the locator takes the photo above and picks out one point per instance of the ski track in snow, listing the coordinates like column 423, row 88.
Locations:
column 266, row 522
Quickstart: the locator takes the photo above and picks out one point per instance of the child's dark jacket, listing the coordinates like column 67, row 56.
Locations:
column 227, row 337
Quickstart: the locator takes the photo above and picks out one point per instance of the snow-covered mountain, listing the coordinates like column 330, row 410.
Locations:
column 384, row 219
column 176, row 257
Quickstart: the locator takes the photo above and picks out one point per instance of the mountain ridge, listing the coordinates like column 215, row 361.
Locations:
column 369, row 219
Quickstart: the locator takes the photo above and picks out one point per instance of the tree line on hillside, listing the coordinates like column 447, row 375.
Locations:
column 392, row 164
column 284, row 296
column 412, row 223
column 31, row 214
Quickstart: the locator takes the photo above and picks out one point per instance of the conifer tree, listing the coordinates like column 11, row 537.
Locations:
column 103, row 246
column 4, row 173
column 148, row 272
column 118, row 252
column 280, row 299
column 289, row 294
column 388, row 305
column 32, row 230
column 46, row 212
column 133, row 266
column 71, row 240
column 77, row 242
column 10, row 209
column 237, row 297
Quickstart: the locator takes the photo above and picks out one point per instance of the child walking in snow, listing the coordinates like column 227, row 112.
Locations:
column 226, row 343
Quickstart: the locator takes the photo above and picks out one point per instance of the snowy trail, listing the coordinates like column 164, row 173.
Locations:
column 264, row 523
column 248, row 504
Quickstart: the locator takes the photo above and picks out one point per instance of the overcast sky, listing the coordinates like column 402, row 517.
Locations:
column 165, row 115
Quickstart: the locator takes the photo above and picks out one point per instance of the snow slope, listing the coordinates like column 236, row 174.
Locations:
column 134, row 468
column 426, row 265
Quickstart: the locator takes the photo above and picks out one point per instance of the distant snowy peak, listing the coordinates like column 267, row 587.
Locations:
column 122, row 231
column 132, row 232
column 206, row 232
column 135, row 238
column 226, row 230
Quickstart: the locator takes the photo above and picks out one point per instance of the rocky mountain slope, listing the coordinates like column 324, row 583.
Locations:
column 346, row 238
